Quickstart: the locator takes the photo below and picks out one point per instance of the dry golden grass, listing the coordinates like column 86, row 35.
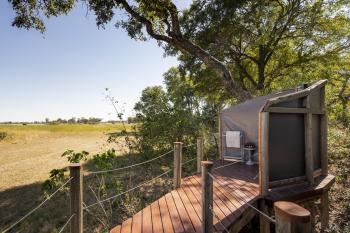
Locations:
column 31, row 151
column 27, row 155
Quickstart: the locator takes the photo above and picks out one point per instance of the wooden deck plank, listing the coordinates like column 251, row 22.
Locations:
column 137, row 223
column 235, row 190
column 174, row 215
column 116, row 229
column 245, row 185
column 164, row 211
column 192, row 188
column 147, row 220
column 229, row 193
column 156, row 218
column 195, row 203
column 236, row 194
column 302, row 191
column 179, row 211
column 239, row 186
column 221, row 204
column 217, row 211
column 185, row 218
column 244, row 192
column 126, row 226
column 227, row 199
column 232, row 196
column 190, row 210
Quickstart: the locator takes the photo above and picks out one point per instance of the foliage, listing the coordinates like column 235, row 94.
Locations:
column 3, row 135
column 339, row 152
column 229, row 51
column 55, row 180
column 57, row 176
column 104, row 161
column 27, row 15
column 264, row 41
column 175, row 114
column 74, row 120
column 339, row 165
column 337, row 71
column 232, row 48
column 339, row 91
column 242, row 46
column 75, row 157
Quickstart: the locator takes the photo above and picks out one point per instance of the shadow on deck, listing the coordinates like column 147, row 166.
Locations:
column 180, row 209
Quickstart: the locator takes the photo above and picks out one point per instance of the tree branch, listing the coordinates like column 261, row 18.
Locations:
column 148, row 24
column 175, row 38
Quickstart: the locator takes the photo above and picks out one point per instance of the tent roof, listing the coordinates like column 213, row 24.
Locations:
column 257, row 103
column 262, row 102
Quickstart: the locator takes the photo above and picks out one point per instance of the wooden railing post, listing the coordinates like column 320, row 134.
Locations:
column 292, row 218
column 177, row 164
column 76, row 198
column 309, row 159
column 264, row 153
column 207, row 197
column 324, row 211
column 200, row 152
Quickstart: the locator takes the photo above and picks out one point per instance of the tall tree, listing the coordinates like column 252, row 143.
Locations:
column 235, row 39
column 263, row 41
column 338, row 95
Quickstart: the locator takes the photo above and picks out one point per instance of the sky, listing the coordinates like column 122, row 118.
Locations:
column 63, row 73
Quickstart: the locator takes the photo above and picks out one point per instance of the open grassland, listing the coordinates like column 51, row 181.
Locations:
column 29, row 152
column 66, row 128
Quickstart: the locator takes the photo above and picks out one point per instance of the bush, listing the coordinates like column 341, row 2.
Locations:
column 339, row 165
column 3, row 135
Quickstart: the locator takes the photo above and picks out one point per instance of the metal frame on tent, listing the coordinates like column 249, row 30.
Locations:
column 223, row 148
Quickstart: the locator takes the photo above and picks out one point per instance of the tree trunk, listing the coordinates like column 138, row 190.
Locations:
column 226, row 77
column 175, row 38
column 261, row 67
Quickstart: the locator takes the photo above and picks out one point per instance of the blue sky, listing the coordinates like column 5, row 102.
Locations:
column 64, row 72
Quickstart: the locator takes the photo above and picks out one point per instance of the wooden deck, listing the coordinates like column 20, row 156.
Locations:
column 180, row 210
column 302, row 191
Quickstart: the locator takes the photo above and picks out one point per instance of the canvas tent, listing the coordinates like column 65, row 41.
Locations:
column 288, row 129
column 243, row 117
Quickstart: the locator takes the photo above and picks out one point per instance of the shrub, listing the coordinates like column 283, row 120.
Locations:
column 3, row 135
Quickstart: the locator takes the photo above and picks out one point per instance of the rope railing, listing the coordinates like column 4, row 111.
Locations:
column 127, row 191
column 37, row 207
column 77, row 205
column 189, row 145
column 225, row 165
column 188, row 161
column 218, row 219
column 242, row 199
column 67, row 222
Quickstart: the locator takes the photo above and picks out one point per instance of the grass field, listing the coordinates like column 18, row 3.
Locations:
column 27, row 155
column 30, row 151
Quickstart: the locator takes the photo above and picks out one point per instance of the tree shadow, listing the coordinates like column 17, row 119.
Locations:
column 16, row 202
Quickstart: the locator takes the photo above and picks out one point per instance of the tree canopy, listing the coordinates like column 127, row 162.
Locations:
column 244, row 45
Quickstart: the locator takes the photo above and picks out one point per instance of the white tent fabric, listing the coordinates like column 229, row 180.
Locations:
column 243, row 117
